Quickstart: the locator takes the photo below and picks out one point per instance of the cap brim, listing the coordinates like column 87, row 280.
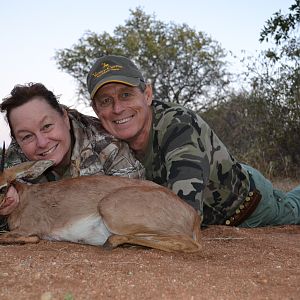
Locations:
column 132, row 81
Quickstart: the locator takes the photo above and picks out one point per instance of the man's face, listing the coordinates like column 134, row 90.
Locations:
column 125, row 111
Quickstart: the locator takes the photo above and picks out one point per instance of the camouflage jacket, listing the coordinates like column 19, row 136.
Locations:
column 94, row 152
column 185, row 155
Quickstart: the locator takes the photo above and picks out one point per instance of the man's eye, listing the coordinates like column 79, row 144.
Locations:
column 125, row 95
column 105, row 102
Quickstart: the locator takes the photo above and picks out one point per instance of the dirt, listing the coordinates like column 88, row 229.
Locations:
column 261, row 263
column 234, row 263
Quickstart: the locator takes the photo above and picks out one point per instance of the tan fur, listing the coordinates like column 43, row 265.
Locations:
column 134, row 211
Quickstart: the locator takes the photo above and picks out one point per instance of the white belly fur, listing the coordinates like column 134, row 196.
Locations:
column 89, row 230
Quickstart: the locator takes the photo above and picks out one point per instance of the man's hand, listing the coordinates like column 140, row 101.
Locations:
column 11, row 201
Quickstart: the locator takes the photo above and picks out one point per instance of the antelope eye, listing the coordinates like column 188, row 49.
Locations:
column 3, row 190
column 2, row 194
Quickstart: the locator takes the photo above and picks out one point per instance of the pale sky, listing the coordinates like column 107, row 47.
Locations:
column 32, row 30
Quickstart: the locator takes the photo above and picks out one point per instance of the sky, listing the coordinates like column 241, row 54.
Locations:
column 32, row 31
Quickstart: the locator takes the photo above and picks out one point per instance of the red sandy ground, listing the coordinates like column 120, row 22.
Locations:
column 262, row 263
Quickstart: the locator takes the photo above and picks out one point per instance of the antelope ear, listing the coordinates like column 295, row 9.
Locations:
column 28, row 170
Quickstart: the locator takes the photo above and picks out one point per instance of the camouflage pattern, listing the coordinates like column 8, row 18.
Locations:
column 94, row 152
column 185, row 155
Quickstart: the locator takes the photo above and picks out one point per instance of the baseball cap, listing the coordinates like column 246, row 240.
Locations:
column 113, row 68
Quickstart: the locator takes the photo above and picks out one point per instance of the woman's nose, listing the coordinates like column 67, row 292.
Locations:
column 42, row 140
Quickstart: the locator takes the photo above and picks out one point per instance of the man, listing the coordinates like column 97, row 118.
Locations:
column 180, row 151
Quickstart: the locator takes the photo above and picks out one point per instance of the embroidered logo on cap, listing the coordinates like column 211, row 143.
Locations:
column 106, row 68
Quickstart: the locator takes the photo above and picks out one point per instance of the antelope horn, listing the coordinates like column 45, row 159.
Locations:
column 2, row 158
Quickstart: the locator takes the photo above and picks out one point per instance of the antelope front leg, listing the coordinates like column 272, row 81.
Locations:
column 10, row 238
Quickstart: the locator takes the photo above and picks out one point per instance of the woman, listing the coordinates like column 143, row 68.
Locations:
column 41, row 128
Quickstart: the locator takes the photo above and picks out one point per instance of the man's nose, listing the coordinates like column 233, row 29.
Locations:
column 118, row 106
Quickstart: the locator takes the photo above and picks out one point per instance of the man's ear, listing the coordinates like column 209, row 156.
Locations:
column 149, row 94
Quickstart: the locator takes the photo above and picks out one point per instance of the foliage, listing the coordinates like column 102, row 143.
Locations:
column 280, row 26
column 261, row 125
column 260, row 132
column 284, row 30
column 183, row 65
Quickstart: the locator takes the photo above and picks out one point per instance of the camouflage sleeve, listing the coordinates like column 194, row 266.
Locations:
column 121, row 161
column 95, row 151
column 186, row 162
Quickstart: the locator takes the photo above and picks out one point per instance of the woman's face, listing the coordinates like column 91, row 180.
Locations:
column 41, row 131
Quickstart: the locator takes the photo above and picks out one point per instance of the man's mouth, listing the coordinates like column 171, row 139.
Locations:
column 122, row 121
column 51, row 150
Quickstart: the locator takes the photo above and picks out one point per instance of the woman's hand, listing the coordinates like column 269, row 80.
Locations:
column 11, row 201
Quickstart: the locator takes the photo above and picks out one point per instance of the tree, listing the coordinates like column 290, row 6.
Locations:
column 280, row 26
column 183, row 65
column 270, row 109
column 284, row 85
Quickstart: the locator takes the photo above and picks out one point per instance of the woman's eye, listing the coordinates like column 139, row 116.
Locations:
column 47, row 126
column 27, row 137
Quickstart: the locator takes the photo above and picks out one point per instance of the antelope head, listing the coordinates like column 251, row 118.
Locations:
column 25, row 170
